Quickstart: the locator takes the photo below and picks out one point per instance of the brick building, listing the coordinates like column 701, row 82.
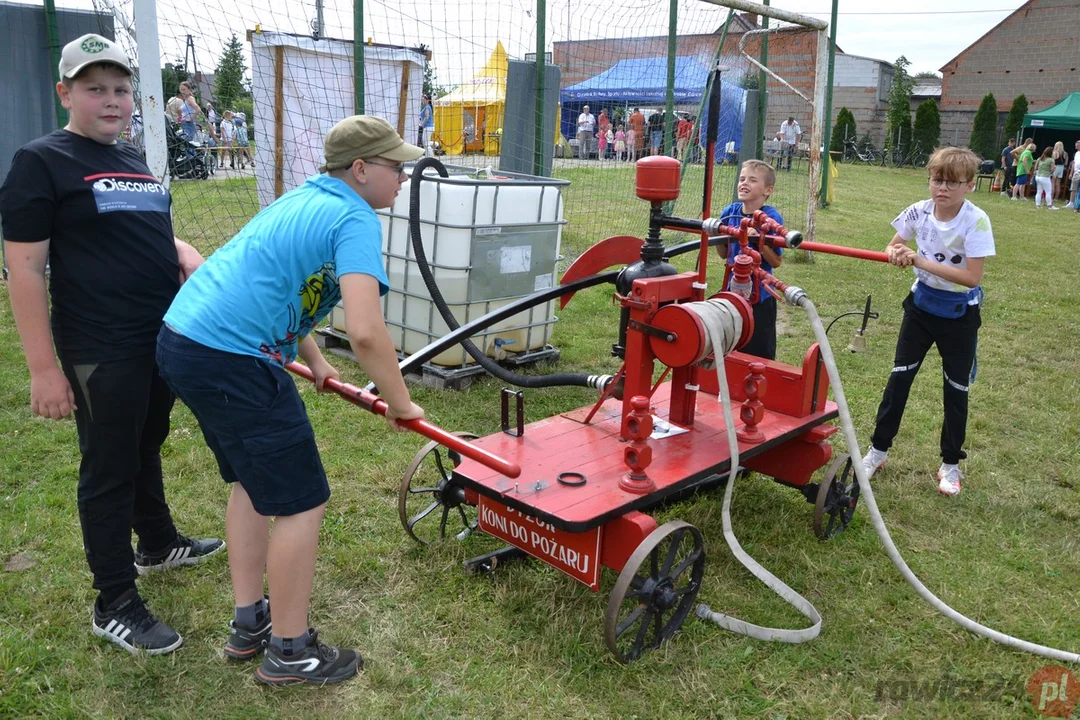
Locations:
column 1035, row 51
column 861, row 84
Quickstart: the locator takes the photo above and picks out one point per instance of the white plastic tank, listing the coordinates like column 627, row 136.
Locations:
column 490, row 238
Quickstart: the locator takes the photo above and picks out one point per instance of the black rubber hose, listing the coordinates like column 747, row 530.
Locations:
column 478, row 325
column 527, row 381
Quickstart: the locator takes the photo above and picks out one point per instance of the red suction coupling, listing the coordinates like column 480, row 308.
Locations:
column 658, row 178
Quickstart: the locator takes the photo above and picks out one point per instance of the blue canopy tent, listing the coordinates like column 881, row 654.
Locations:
column 643, row 82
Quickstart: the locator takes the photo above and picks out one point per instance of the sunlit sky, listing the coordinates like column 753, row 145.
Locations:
column 461, row 33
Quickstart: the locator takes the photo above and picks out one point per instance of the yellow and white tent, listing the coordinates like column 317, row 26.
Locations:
column 470, row 118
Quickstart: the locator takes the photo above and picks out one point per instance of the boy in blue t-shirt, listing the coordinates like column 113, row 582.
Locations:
column 756, row 181
column 249, row 310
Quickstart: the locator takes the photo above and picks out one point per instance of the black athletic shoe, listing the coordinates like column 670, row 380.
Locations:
column 130, row 625
column 245, row 642
column 316, row 664
column 184, row 551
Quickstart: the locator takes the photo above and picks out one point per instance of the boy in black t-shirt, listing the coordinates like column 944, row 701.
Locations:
column 87, row 204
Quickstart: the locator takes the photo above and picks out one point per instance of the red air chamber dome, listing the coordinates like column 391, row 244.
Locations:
column 658, row 178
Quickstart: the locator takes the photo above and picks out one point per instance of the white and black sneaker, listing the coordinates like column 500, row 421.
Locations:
column 317, row 664
column 246, row 642
column 184, row 551
column 130, row 625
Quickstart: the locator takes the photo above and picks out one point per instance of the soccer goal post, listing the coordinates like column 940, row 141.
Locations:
column 794, row 81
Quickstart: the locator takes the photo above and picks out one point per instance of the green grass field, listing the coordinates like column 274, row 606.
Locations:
column 528, row 641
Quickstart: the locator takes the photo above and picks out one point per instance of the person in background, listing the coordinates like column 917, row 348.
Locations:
column 586, row 124
column 1074, row 184
column 427, row 123
column 1025, row 166
column 1044, row 168
column 189, row 111
column 603, row 124
column 243, row 143
column 1061, row 159
column 683, row 131
column 637, row 130
column 789, row 135
column 172, row 108
column 213, row 118
column 656, row 132
column 228, row 141
column 1008, row 165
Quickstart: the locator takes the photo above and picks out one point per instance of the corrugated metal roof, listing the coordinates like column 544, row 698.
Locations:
column 926, row 89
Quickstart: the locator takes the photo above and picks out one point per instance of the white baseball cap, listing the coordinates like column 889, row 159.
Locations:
column 90, row 49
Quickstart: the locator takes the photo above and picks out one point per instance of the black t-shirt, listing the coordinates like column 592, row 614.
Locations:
column 114, row 269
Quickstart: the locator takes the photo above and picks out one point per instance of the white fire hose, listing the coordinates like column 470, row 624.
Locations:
column 723, row 326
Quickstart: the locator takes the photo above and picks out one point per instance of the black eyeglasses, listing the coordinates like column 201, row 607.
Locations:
column 399, row 168
column 942, row 182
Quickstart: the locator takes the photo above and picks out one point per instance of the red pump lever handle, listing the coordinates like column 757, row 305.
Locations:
column 768, row 226
column 374, row 404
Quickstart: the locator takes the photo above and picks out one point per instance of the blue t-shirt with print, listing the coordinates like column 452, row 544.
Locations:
column 265, row 289
column 732, row 215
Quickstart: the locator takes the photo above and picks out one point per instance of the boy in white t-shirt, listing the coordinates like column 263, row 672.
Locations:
column 953, row 238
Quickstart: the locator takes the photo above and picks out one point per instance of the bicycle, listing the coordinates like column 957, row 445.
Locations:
column 868, row 154
column 913, row 156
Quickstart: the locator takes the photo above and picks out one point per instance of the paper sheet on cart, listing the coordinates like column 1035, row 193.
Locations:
column 663, row 429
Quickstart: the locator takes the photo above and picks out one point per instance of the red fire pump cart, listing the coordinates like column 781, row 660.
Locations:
column 589, row 476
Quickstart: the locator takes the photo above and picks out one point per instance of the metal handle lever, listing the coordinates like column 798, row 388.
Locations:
column 375, row 404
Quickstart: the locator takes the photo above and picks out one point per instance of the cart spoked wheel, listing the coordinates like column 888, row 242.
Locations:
column 655, row 590
column 429, row 503
column 837, row 497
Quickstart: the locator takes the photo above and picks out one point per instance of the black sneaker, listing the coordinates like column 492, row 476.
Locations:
column 130, row 625
column 184, row 551
column 316, row 664
column 246, row 642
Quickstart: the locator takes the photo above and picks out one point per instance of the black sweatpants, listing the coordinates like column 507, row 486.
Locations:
column 122, row 419
column 763, row 342
column 1010, row 179
column 956, row 339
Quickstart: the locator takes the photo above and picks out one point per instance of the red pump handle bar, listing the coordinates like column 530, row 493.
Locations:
column 374, row 404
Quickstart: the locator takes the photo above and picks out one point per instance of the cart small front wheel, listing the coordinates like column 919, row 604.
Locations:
column 429, row 500
column 655, row 590
column 837, row 497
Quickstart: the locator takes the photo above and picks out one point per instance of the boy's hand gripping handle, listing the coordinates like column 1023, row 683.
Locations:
column 374, row 404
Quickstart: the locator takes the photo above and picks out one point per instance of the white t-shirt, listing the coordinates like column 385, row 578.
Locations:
column 1076, row 164
column 585, row 122
column 790, row 131
column 968, row 235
